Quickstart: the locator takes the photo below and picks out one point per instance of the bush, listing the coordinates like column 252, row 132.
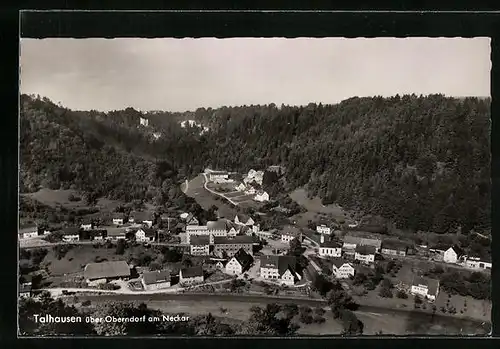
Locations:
column 319, row 319
column 86, row 303
column 306, row 318
column 401, row 294
column 319, row 311
column 385, row 292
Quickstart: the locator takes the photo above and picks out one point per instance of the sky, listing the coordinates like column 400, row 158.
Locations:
column 184, row 74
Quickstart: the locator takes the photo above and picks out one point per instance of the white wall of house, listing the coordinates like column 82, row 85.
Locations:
column 423, row 291
column 233, row 267
column 369, row 258
column 476, row 264
column 450, row 256
column 86, row 226
column 96, row 282
column 287, row 278
column 330, row 251
column 323, row 229
column 156, row 286
column 68, row 238
column 200, row 250
column 287, row 238
column 344, row 271
column 269, row 273
column 191, row 280
column 118, row 221
column 348, row 246
column 29, row 235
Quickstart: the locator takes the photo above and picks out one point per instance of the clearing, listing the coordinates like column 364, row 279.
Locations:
column 315, row 205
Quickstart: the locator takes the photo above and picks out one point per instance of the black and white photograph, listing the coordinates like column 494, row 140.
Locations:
column 277, row 187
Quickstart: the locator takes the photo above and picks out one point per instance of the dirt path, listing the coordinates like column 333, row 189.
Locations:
column 214, row 192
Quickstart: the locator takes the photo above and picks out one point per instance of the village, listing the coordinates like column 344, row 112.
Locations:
column 233, row 254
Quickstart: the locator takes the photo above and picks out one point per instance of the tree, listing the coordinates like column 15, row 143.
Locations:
column 352, row 325
column 31, row 309
column 401, row 294
column 120, row 247
column 264, row 321
column 290, row 310
column 338, row 300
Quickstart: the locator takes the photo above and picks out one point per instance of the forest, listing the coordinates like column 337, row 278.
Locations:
column 422, row 162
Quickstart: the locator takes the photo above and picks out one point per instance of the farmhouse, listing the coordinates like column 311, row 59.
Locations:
column 261, row 196
column 351, row 240
column 279, row 268
column 330, row 249
column 200, row 245
column 87, row 225
column 425, row 287
column 477, row 264
column 96, row 273
column 342, row 269
column 191, row 275
column 145, row 235
column 218, row 176
column 142, row 218
column 25, row 290
column 242, row 219
column 71, row 234
column 323, row 229
column 452, row 254
column 90, row 235
column 144, row 122
column 116, row 234
column 156, row 280
column 240, row 262
column 365, row 253
column 118, row 221
column 394, row 248
column 289, row 233
column 230, row 246
column 27, row 231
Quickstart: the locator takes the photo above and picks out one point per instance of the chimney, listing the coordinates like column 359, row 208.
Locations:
column 322, row 238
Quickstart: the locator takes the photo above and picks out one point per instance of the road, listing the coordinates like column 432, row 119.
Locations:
column 216, row 193
column 49, row 244
column 186, row 187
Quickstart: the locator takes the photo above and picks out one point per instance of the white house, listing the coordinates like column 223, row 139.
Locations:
column 86, row 226
column 289, row 233
column 117, row 221
column 330, row 249
column 145, row 235
column 451, row 255
column 261, row 196
column 280, row 269
column 476, row 263
column 425, row 287
column 342, row 269
column 244, row 220
column 28, row 231
column 71, row 234
column 144, row 122
column 156, row 280
column 323, row 229
column 365, row 254
column 232, row 232
column 239, row 263
column 240, row 187
column 218, row 176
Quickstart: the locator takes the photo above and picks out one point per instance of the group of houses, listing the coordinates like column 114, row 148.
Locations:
column 104, row 272
column 30, row 230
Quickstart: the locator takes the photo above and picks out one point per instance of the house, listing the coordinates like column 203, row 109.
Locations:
column 394, row 248
column 289, row 233
column 25, row 289
column 239, row 263
column 116, row 234
column 199, row 245
column 261, row 196
column 242, row 219
column 342, row 269
column 323, row 229
column 118, row 221
column 214, row 264
column 100, row 234
column 477, row 264
column 71, row 234
column 330, row 249
column 96, row 273
column 254, row 176
column 365, row 253
column 87, row 225
column 275, row 168
column 192, row 220
column 233, row 232
column 229, row 246
column 144, row 122
column 350, row 241
column 264, row 234
column 452, row 254
column 280, row 269
column 212, row 229
column 156, row 280
column 90, row 235
column 145, row 235
column 191, row 275
column 27, row 231
column 217, row 176
column 425, row 287
column 250, row 191
column 240, row 187
column 142, row 218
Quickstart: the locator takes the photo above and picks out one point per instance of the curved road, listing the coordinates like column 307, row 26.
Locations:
column 216, row 193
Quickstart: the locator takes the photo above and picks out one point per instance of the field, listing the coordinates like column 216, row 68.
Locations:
column 206, row 199
column 315, row 205
column 57, row 197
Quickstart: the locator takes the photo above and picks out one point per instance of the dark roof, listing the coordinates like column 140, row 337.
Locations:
column 291, row 230
column 338, row 262
column 106, row 270
column 239, row 239
column 116, row 232
column 27, row 226
column 148, row 231
column 243, row 258
column 154, row 277
column 282, row 263
column 71, row 230
column 365, row 249
column 394, row 245
column 360, row 240
column 331, row 244
column 199, row 240
column 458, row 250
column 192, row 272
column 216, row 225
column 432, row 284
column 141, row 216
